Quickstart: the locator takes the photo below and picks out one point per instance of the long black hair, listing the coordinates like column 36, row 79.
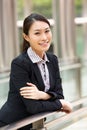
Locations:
column 28, row 21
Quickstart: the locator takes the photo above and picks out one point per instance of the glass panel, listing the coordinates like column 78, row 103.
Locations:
column 84, row 81
column 4, row 87
column 69, row 82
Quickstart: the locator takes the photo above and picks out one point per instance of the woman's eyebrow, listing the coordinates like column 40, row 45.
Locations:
column 42, row 29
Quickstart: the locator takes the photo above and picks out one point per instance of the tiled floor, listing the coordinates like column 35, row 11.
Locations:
column 78, row 125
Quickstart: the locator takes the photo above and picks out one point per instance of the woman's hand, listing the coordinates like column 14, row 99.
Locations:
column 32, row 92
column 66, row 106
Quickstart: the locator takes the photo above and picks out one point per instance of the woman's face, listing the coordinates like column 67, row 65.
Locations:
column 39, row 37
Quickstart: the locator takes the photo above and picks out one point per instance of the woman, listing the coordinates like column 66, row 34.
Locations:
column 38, row 71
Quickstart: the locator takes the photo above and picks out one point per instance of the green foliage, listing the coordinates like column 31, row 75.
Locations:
column 40, row 6
column 41, row 2
column 43, row 6
column 20, row 9
column 78, row 8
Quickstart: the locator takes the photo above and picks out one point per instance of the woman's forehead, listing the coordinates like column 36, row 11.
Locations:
column 39, row 25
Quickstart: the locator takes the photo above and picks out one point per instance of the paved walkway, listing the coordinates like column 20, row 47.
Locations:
column 78, row 125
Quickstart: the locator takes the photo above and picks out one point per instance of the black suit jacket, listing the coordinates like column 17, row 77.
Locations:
column 23, row 71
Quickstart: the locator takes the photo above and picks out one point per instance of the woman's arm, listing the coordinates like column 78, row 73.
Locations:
column 32, row 92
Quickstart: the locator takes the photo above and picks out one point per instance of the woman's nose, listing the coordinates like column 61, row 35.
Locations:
column 44, row 36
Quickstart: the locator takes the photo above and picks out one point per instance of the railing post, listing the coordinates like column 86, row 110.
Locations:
column 38, row 125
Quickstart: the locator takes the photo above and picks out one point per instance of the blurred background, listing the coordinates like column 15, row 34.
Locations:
column 68, row 20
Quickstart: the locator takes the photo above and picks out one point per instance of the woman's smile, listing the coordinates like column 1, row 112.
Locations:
column 44, row 43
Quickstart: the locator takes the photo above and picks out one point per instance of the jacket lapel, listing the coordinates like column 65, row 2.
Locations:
column 50, row 74
column 39, row 77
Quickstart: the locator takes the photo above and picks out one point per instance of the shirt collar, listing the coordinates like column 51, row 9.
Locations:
column 34, row 57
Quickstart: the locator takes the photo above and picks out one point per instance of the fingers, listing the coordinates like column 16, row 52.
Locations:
column 30, row 84
column 30, row 91
column 26, row 91
column 25, row 88
column 29, row 87
column 67, row 107
column 68, row 110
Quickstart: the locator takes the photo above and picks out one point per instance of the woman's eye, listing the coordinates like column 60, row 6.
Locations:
column 37, row 33
column 47, row 31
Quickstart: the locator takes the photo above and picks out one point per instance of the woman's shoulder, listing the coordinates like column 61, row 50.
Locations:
column 23, row 57
column 21, row 63
column 51, row 56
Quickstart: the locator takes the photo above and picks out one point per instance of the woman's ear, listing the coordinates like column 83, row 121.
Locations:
column 26, row 37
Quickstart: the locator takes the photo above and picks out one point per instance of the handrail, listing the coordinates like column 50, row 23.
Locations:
column 5, row 77
column 64, row 67
column 77, row 20
column 38, row 119
column 68, row 119
column 71, row 66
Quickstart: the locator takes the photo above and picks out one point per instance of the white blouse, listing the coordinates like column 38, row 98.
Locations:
column 42, row 66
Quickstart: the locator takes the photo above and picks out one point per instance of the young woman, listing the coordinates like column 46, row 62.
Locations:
column 35, row 82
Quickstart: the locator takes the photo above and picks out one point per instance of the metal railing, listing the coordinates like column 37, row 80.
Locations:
column 38, row 122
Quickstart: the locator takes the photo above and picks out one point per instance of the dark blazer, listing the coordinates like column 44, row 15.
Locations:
column 23, row 71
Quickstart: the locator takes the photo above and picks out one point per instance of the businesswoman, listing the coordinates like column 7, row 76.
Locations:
column 35, row 82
